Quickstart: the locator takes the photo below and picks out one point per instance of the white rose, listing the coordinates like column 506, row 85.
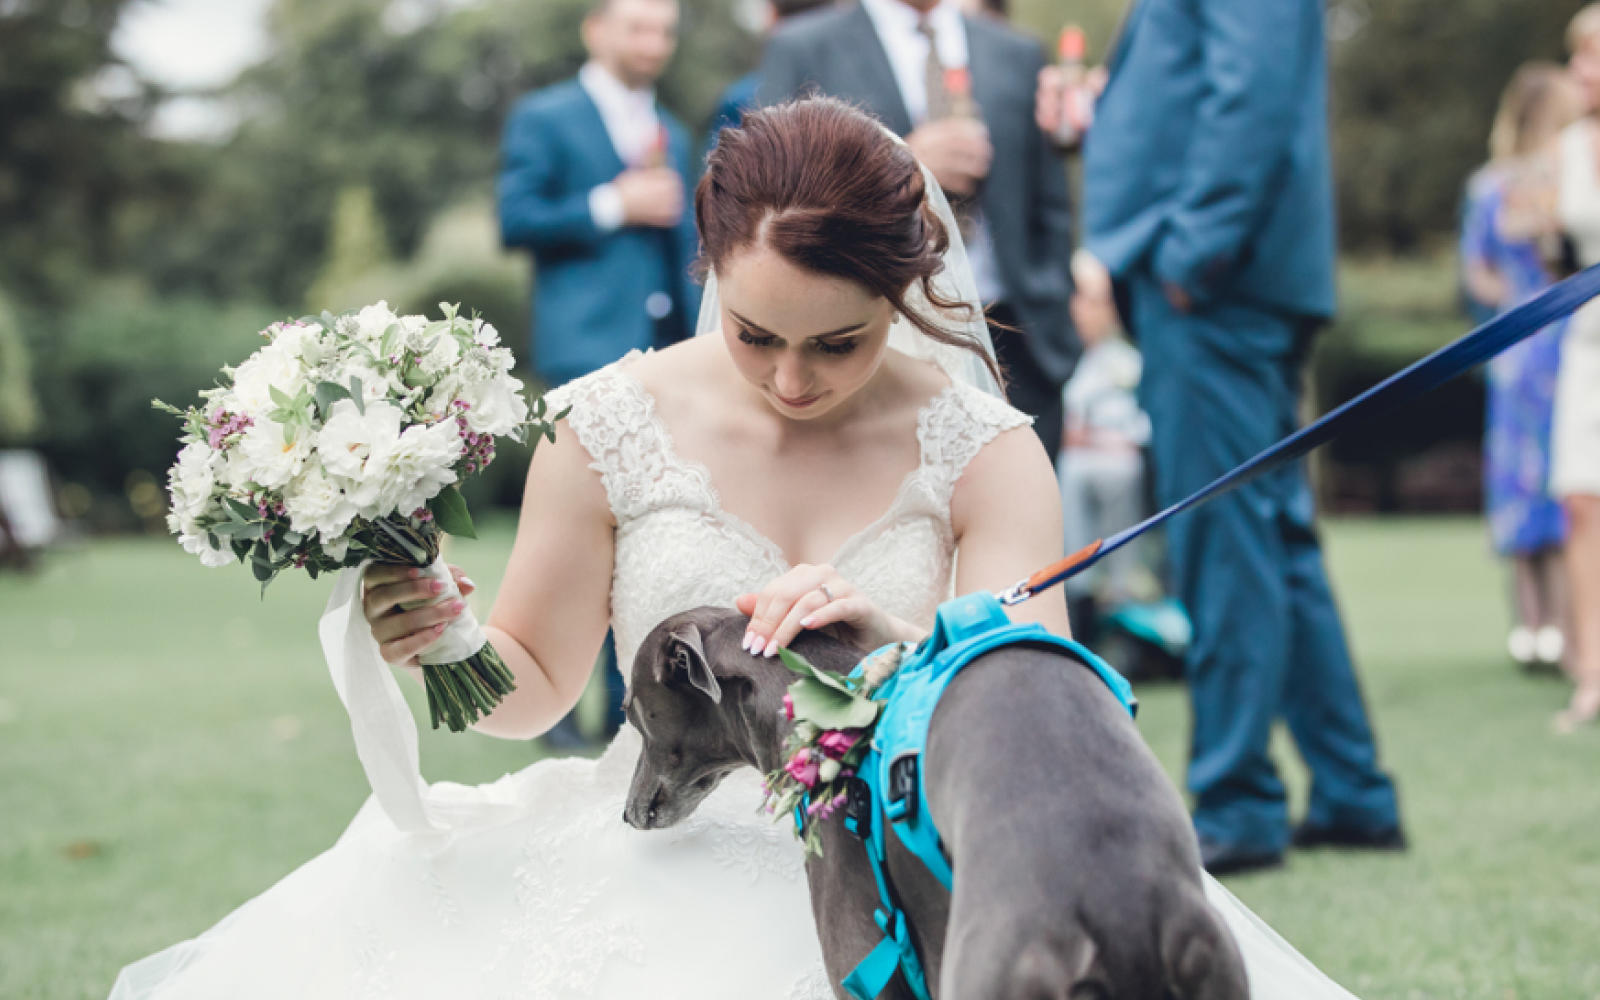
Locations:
column 417, row 465
column 501, row 359
column 443, row 355
column 374, row 321
column 271, row 367
column 348, row 442
column 317, row 503
column 442, row 394
column 495, row 407
column 375, row 385
column 265, row 456
column 191, row 480
column 298, row 340
column 484, row 334
column 199, row 543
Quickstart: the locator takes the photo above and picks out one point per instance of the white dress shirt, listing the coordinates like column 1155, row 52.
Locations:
column 632, row 125
column 896, row 23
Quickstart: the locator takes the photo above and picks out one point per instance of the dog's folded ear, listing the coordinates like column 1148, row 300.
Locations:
column 686, row 657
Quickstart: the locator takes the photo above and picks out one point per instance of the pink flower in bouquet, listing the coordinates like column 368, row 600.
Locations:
column 837, row 742
column 803, row 768
column 788, row 707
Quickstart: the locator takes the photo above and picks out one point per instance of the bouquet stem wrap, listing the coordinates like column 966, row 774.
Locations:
column 464, row 675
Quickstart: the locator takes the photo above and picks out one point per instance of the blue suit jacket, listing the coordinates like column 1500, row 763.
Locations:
column 1208, row 161
column 592, row 285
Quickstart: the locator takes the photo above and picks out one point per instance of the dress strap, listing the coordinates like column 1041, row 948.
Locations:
column 615, row 420
column 955, row 426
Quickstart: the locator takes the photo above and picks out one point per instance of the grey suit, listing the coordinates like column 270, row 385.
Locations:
column 837, row 52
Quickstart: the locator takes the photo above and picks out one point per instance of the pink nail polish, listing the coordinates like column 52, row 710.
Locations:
column 436, row 586
column 772, row 648
column 807, row 621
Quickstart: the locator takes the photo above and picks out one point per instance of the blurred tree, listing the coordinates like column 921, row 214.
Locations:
column 356, row 246
column 406, row 100
column 70, row 149
column 1415, row 84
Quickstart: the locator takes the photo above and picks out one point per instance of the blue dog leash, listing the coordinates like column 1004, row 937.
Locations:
column 1471, row 350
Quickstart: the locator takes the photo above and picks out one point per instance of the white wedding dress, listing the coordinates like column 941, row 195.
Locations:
column 532, row 887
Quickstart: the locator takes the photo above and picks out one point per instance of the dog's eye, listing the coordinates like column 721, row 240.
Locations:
column 706, row 781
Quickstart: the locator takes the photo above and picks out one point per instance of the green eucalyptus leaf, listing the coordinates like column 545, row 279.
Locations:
column 830, row 708
column 391, row 341
column 327, row 394
column 450, row 513
column 802, row 666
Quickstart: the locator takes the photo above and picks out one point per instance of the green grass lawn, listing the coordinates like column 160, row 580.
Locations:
column 170, row 745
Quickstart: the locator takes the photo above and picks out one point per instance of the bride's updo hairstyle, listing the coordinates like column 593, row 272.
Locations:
column 832, row 192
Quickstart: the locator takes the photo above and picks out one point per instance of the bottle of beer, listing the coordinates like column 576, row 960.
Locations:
column 1077, row 103
column 959, row 103
column 958, row 85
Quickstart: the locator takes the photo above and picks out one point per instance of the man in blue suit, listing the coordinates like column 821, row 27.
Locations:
column 593, row 180
column 1208, row 197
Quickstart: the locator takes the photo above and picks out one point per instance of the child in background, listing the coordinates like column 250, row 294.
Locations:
column 1101, row 465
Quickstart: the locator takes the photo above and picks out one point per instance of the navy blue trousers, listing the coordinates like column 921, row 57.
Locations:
column 1221, row 383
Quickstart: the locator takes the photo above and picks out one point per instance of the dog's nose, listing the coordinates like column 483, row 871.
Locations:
column 631, row 815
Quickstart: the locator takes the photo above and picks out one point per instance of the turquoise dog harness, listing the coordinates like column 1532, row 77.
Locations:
column 888, row 791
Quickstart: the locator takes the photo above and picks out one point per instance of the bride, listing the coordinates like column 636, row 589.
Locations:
column 821, row 457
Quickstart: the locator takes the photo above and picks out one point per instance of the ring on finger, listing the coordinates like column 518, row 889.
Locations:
column 826, row 592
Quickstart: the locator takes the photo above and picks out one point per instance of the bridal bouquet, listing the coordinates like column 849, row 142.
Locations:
column 339, row 442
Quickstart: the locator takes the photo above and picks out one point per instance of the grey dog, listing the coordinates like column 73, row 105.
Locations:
column 1077, row 873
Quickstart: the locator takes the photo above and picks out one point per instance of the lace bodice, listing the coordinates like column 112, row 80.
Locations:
column 677, row 548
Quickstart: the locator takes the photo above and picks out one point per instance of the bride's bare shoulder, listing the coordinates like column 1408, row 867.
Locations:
column 685, row 363
column 921, row 380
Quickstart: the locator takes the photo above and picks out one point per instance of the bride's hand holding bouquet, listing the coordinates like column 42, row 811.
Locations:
column 339, row 444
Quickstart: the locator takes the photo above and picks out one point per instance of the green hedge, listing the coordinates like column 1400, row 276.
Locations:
column 1426, row 456
column 19, row 407
column 96, row 368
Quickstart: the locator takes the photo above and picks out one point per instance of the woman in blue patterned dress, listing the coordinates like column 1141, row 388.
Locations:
column 1503, row 265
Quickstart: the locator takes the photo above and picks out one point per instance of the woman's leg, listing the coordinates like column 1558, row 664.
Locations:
column 1583, row 576
column 1553, row 627
column 1525, row 599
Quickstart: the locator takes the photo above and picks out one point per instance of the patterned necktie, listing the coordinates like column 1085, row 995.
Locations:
column 939, row 97
column 942, row 104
